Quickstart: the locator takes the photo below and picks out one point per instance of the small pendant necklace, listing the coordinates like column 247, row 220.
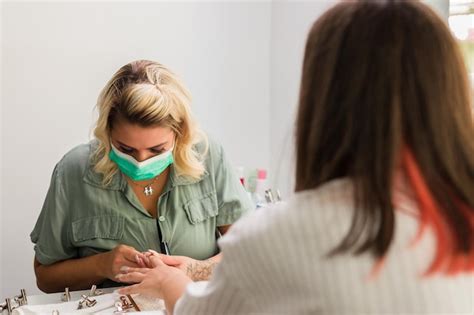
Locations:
column 147, row 189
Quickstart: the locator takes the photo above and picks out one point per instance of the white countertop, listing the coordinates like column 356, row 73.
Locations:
column 147, row 304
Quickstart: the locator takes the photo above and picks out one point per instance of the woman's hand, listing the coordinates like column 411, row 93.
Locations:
column 114, row 262
column 161, row 281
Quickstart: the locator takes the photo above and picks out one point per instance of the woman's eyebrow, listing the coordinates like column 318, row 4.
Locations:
column 129, row 147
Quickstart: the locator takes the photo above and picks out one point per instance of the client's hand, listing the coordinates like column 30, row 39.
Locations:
column 161, row 281
column 197, row 270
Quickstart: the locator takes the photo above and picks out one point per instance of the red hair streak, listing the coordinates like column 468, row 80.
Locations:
column 446, row 259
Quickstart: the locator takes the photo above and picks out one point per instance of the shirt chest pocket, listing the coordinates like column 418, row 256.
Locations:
column 201, row 209
column 99, row 232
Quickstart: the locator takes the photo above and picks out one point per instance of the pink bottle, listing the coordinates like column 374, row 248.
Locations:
column 258, row 196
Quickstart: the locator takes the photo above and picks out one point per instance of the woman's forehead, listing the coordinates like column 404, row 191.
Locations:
column 139, row 137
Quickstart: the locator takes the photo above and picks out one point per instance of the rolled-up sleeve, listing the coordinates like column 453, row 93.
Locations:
column 233, row 200
column 51, row 232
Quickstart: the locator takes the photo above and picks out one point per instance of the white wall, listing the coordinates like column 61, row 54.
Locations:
column 56, row 58
column 1, row 160
column 440, row 6
column 291, row 21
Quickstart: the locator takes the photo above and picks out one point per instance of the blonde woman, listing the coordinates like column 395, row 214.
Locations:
column 150, row 180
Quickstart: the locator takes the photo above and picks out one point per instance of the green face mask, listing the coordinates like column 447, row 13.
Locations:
column 147, row 169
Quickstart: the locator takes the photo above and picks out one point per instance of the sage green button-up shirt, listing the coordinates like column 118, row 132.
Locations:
column 80, row 217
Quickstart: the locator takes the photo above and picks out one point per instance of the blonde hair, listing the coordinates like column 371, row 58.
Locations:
column 147, row 94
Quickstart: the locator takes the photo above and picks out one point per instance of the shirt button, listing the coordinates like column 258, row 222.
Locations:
column 161, row 218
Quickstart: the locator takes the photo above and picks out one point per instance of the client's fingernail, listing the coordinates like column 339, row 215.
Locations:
column 118, row 275
column 124, row 268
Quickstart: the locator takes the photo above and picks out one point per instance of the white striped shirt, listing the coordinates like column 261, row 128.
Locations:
column 274, row 263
